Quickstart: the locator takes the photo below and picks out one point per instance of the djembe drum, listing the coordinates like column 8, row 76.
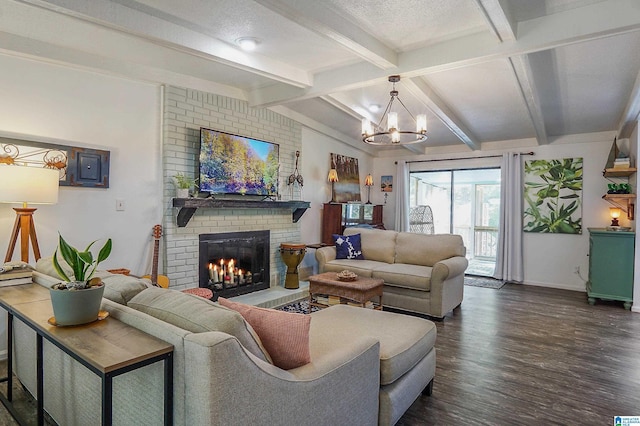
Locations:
column 292, row 255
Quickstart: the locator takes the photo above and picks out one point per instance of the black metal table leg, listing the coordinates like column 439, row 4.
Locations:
column 168, row 390
column 39, row 380
column 107, row 400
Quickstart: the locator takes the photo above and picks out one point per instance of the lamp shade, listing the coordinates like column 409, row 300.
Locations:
column 33, row 185
column 333, row 175
column 368, row 181
column 615, row 212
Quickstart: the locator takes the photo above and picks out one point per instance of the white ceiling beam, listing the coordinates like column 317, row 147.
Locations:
column 598, row 20
column 502, row 26
column 33, row 49
column 425, row 94
column 496, row 15
column 522, row 70
column 631, row 111
column 170, row 31
column 321, row 19
column 324, row 129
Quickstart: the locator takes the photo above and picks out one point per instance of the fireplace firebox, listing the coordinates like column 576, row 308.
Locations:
column 234, row 263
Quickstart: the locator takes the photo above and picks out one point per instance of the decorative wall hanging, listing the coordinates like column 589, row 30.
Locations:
column 295, row 178
column 347, row 188
column 77, row 166
column 553, row 196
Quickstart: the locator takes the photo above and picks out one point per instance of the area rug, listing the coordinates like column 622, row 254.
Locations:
column 485, row 282
column 299, row 306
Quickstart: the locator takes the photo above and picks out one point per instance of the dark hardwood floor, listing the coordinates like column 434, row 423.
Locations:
column 526, row 355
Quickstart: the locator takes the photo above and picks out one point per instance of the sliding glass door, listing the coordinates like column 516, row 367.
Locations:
column 464, row 202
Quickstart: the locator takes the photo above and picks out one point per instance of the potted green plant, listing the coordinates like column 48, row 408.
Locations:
column 77, row 300
column 183, row 184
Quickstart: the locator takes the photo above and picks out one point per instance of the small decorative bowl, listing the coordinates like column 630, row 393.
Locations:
column 346, row 276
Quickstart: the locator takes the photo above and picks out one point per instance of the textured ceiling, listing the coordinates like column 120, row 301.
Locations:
column 482, row 70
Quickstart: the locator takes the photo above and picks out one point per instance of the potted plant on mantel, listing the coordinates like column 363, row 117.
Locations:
column 183, row 185
column 77, row 301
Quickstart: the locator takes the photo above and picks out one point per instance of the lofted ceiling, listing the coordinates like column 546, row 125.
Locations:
column 482, row 70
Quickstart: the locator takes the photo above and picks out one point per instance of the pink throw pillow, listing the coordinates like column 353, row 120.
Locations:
column 284, row 335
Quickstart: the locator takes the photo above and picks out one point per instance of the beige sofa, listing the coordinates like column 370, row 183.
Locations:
column 422, row 273
column 359, row 375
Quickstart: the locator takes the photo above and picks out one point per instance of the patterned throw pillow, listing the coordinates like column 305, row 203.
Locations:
column 348, row 247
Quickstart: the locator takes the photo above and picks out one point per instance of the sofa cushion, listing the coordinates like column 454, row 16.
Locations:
column 122, row 288
column 118, row 288
column 285, row 335
column 404, row 340
column 348, row 247
column 197, row 315
column 362, row 268
column 427, row 250
column 377, row 244
column 415, row 277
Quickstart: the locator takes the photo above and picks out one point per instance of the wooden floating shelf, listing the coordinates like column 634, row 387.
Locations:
column 619, row 196
column 619, row 172
column 188, row 207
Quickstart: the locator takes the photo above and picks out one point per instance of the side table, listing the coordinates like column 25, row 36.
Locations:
column 108, row 348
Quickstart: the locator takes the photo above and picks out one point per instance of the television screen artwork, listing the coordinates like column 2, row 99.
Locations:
column 231, row 164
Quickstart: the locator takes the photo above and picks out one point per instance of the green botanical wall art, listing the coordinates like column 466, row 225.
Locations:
column 553, row 196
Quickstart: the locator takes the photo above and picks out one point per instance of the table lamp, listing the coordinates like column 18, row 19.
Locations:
column 368, row 182
column 23, row 184
column 333, row 178
column 615, row 213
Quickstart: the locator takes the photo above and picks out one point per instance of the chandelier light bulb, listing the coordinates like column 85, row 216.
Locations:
column 367, row 127
column 395, row 136
column 421, row 123
column 392, row 121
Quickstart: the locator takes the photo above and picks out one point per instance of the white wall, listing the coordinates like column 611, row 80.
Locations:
column 48, row 102
column 314, row 167
column 550, row 259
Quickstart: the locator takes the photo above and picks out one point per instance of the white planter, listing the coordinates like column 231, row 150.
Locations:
column 182, row 193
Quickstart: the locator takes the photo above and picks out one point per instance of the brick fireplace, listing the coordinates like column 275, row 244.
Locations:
column 185, row 111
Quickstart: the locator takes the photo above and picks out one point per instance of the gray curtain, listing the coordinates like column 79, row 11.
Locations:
column 402, row 197
column 509, row 260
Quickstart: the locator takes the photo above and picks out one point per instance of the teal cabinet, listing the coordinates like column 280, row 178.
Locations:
column 611, row 256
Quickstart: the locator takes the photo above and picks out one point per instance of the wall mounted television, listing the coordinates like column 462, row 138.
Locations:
column 232, row 164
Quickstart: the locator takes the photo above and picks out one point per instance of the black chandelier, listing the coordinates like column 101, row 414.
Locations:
column 393, row 135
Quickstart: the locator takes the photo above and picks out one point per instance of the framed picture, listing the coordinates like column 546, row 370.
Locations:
column 348, row 186
column 386, row 183
column 553, row 196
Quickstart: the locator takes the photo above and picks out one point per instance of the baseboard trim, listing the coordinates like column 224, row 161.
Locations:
column 558, row 286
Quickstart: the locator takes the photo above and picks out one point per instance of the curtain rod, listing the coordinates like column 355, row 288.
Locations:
column 463, row 158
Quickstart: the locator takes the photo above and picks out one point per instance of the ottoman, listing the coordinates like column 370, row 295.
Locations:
column 407, row 352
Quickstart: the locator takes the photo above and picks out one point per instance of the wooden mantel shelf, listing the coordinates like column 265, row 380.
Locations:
column 188, row 207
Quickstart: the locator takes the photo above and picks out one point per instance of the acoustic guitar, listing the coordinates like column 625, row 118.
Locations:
column 157, row 280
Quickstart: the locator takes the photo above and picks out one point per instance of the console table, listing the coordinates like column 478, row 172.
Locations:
column 108, row 348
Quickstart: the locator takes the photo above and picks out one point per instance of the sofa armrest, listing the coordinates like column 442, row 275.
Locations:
column 447, row 285
column 324, row 255
column 449, row 268
column 230, row 386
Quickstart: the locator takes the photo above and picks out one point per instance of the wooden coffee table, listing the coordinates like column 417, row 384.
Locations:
column 361, row 290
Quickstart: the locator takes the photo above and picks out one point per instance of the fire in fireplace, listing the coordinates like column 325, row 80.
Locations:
column 234, row 263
